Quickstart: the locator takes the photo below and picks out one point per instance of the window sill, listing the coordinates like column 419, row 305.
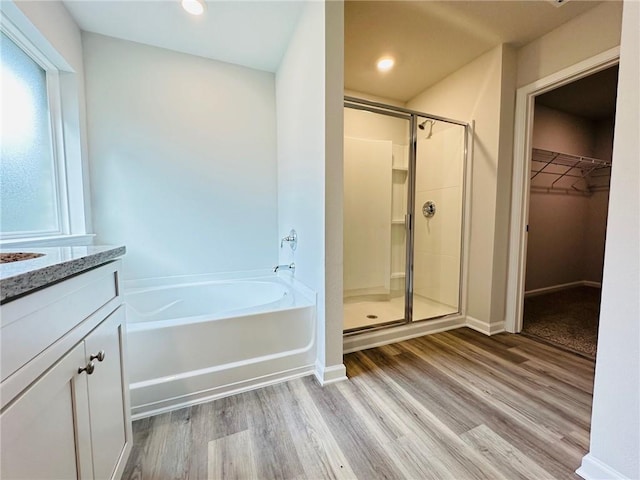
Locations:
column 54, row 241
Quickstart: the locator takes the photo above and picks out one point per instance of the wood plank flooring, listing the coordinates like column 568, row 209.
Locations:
column 455, row 405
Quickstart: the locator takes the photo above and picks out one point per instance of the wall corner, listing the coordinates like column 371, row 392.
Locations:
column 593, row 469
column 503, row 187
column 333, row 186
column 332, row 374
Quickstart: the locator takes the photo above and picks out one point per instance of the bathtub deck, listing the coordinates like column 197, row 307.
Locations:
column 455, row 405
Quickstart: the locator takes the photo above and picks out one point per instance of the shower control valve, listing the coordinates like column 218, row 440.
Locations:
column 429, row 209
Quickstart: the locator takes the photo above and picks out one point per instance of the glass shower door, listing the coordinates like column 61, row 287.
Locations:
column 376, row 171
column 438, row 218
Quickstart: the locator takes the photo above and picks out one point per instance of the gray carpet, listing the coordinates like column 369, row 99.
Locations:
column 568, row 318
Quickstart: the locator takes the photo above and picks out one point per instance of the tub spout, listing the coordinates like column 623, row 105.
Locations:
column 291, row 266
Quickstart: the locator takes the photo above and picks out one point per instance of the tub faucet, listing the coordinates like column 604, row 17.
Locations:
column 291, row 266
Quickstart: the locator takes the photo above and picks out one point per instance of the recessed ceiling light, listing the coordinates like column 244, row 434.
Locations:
column 194, row 7
column 385, row 64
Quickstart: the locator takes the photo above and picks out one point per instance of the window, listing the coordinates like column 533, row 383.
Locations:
column 27, row 171
column 41, row 190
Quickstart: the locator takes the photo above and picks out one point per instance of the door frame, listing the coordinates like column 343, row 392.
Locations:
column 523, row 129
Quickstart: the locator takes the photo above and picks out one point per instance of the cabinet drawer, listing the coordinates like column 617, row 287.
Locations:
column 33, row 323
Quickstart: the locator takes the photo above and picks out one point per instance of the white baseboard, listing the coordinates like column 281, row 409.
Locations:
column 594, row 469
column 563, row 286
column 377, row 338
column 329, row 375
column 188, row 400
column 484, row 327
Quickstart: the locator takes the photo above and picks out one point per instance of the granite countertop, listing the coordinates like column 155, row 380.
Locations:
column 57, row 263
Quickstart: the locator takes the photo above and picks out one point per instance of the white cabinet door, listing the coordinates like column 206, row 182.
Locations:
column 45, row 431
column 110, row 431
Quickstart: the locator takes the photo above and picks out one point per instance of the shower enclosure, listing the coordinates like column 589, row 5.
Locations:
column 403, row 215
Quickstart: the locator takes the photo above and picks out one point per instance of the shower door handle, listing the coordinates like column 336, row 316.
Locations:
column 407, row 221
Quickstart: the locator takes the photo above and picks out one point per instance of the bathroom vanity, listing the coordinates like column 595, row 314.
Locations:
column 65, row 396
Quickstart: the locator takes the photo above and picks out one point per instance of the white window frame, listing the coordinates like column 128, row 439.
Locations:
column 64, row 118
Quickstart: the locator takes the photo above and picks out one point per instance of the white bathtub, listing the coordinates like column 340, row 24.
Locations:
column 193, row 341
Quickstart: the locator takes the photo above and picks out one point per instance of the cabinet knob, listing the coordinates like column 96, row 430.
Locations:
column 89, row 368
column 98, row 356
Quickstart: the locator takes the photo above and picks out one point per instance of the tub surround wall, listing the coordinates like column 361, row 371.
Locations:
column 309, row 105
column 183, row 159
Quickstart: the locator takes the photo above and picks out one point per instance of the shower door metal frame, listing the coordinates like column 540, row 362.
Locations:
column 412, row 116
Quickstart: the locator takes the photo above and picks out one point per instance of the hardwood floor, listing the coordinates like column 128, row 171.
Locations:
column 455, row 405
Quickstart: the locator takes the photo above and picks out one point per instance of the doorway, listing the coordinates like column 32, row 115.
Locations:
column 572, row 146
column 403, row 215
column 564, row 136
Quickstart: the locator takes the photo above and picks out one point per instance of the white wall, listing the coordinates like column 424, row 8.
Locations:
column 483, row 91
column 593, row 32
column 615, row 421
column 565, row 243
column 304, row 86
column 183, row 159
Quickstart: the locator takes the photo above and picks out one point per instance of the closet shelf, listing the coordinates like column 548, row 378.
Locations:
column 563, row 172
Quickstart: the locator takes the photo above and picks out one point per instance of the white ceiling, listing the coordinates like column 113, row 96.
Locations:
column 250, row 33
column 432, row 39
column 429, row 38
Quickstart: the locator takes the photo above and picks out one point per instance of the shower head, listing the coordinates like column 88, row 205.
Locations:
column 421, row 126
